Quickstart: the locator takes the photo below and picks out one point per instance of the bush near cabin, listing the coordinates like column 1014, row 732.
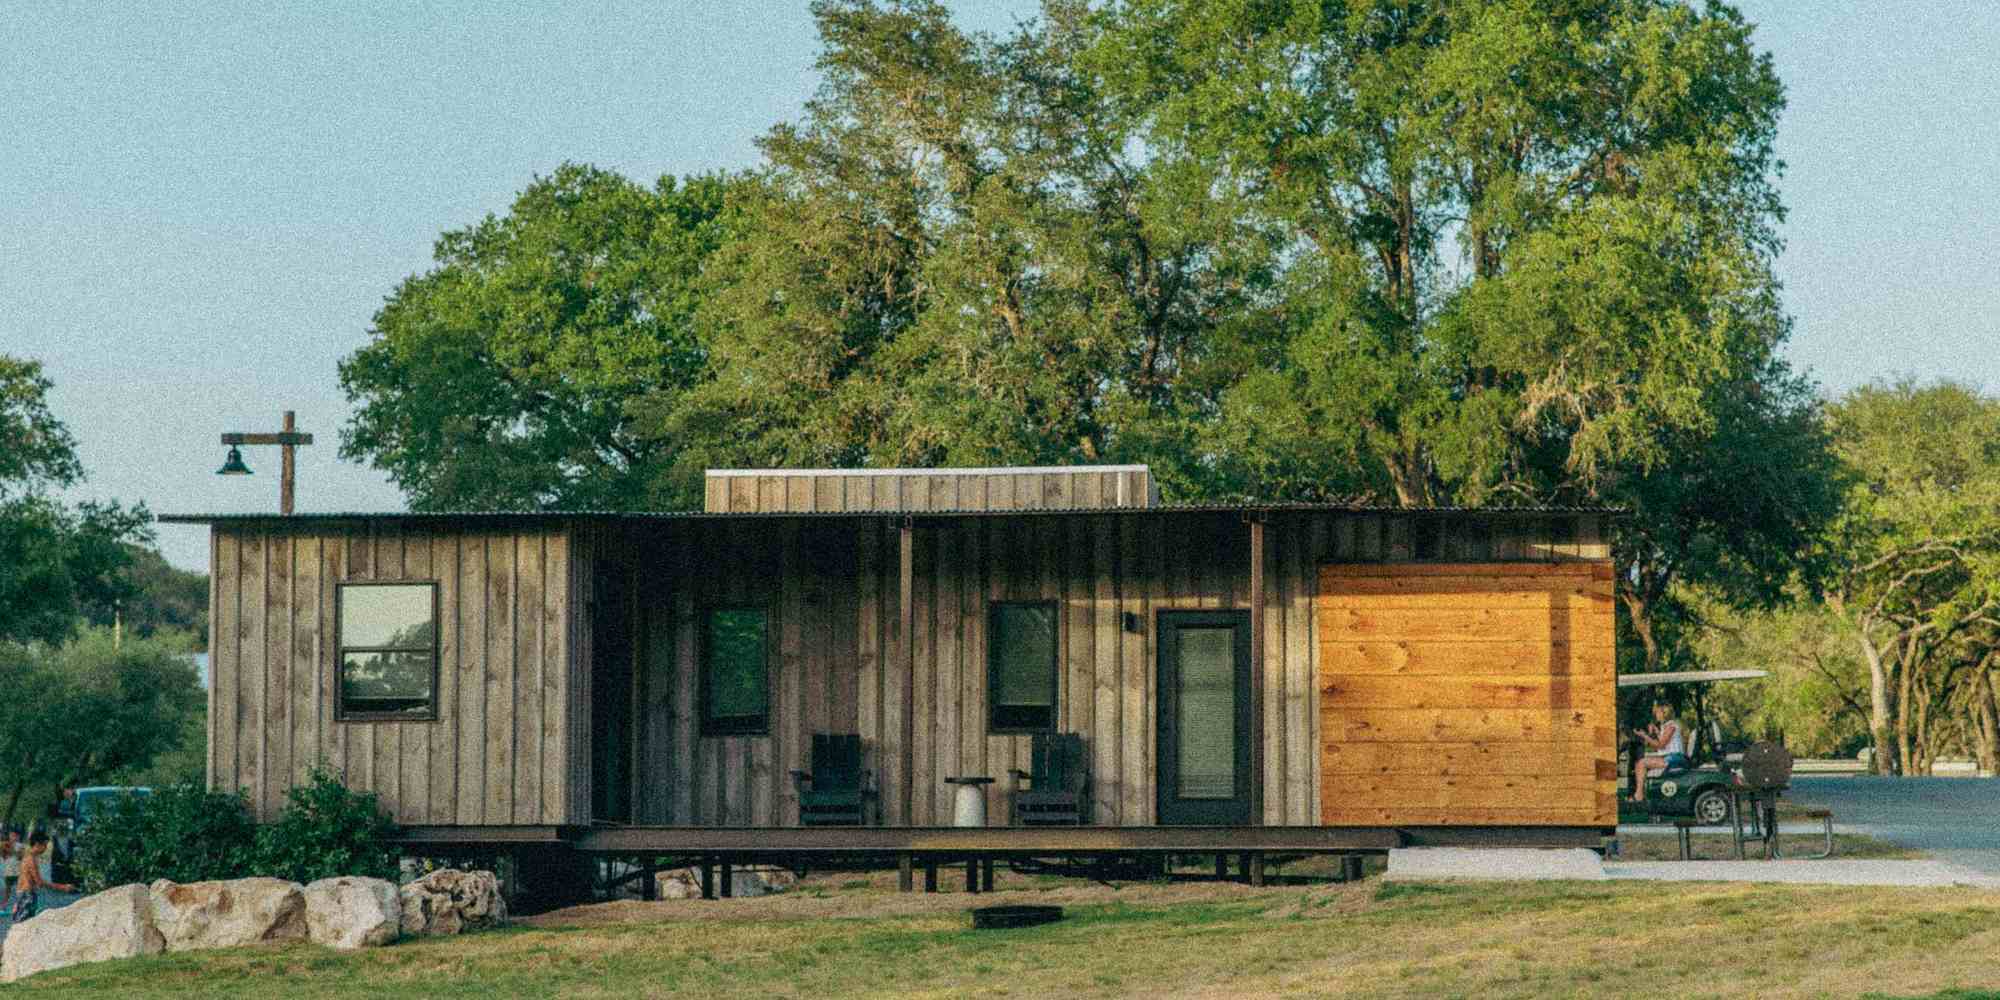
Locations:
column 189, row 834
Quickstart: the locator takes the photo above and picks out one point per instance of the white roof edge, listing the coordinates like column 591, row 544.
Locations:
column 999, row 470
column 1689, row 676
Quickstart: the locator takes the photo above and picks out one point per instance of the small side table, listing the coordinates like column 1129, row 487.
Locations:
column 969, row 808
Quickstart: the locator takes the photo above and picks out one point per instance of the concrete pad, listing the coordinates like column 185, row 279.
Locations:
column 1494, row 863
column 1829, row 872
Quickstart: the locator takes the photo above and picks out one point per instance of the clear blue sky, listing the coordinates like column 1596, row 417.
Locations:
column 201, row 206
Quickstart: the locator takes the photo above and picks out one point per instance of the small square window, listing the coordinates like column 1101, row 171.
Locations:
column 388, row 650
column 736, row 682
column 1021, row 667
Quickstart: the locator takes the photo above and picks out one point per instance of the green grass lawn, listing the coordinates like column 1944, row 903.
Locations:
column 845, row 938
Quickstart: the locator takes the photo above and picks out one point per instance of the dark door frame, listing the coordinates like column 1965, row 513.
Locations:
column 1175, row 811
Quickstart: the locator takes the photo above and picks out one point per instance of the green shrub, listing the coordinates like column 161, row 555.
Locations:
column 181, row 832
column 327, row 830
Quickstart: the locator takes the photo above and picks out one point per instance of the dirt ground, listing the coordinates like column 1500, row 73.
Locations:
column 874, row 894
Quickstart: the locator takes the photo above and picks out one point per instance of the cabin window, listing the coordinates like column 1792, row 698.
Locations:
column 388, row 650
column 736, row 685
column 1021, row 667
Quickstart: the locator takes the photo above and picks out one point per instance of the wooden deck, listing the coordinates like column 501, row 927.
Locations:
column 994, row 840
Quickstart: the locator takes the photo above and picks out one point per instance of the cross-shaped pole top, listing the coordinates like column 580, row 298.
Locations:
column 286, row 440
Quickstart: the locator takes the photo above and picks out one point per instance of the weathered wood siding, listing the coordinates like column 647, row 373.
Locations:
column 1467, row 694
column 839, row 663
column 749, row 491
column 498, row 752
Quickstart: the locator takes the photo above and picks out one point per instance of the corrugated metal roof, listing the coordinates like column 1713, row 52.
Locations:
column 546, row 516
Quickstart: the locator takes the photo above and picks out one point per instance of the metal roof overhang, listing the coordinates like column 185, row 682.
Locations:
column 640, row 517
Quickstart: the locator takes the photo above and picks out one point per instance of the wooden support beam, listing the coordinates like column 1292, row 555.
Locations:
column 1257, row 678
column 905, row 873
column 930, row 874
column 972, row 874
column 906, row 609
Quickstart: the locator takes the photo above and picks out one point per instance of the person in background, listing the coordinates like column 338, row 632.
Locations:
column 28, row 887
column 1665, row 745
column 10, row 864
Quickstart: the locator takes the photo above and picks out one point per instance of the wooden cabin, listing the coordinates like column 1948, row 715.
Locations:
column 1310, row 676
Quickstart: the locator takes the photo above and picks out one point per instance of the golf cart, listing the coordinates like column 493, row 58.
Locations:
column 1700, row 790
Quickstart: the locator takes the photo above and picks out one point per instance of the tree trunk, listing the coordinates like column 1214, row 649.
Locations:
column 1640, row 611
column 1988, row 724
column 1884, row 762
column 14, row 798
column 1903, row 716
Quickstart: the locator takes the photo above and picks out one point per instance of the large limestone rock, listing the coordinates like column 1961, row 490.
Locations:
column 353, row 912
column 448, row 901
column 225, row 914
column 115, row 923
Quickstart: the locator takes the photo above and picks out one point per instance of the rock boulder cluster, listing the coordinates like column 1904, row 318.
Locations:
column 346, row 912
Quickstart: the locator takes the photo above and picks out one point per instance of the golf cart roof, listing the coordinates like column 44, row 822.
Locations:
column 1689, row 677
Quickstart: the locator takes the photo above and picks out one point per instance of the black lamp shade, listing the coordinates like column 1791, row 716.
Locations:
column 234, row 465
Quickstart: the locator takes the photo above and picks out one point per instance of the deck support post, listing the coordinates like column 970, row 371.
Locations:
column 905, row 874
column 1256, row 867
column 1222, row 868
column 707, row 879
column 930, row 874
column 728, row 880
column 972, row 874
column 649, row 887
column 1243, row 864
column 1350, row 868
column 986, row 878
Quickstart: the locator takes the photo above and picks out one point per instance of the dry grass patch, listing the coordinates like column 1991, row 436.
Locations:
column 1203, row 939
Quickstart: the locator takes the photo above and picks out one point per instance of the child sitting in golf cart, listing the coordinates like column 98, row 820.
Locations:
column 1666, row 747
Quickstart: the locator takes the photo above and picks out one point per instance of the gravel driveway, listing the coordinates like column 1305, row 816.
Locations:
column 1952, row 819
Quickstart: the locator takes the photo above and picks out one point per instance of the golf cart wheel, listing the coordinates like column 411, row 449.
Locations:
column 1711, row 807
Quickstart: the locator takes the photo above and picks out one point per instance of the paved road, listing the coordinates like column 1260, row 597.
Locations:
column 1953, row 819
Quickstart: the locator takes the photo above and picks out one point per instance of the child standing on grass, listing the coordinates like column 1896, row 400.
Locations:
column 27, row 889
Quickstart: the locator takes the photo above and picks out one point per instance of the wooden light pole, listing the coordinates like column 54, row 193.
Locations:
column 286, row 440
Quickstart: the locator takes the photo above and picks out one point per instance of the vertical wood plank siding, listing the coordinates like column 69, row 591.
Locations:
column 274, row 678
column 513, row 740
column 832, row 590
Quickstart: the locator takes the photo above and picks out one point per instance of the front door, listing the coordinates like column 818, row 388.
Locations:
column 1204, row 753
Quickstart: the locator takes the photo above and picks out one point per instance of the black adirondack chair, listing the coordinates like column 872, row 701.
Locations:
column 1058, row 787
column 835, row 792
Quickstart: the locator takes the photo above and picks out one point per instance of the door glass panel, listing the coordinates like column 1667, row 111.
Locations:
column 1206, row 679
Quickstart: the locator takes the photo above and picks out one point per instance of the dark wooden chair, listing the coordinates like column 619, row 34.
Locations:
column 835, row 792
column 1058, row 786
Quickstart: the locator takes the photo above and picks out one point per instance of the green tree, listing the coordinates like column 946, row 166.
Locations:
column 503, row 377
column 155, row 596
column 85, row 712
column 1918, row 546
column 55, row 559
column 963, row 255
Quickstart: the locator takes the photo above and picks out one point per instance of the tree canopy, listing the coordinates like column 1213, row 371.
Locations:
column 56, row 559
column 504, row 377
column 1422, row 253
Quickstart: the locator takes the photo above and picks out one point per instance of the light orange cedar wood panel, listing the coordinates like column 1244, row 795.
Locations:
column 1466, row 758
column 1444, row 657
column 1403, row 725
column 1480, row 691
column 1461, row 624
column 1467, row 693
column 1486, row 791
